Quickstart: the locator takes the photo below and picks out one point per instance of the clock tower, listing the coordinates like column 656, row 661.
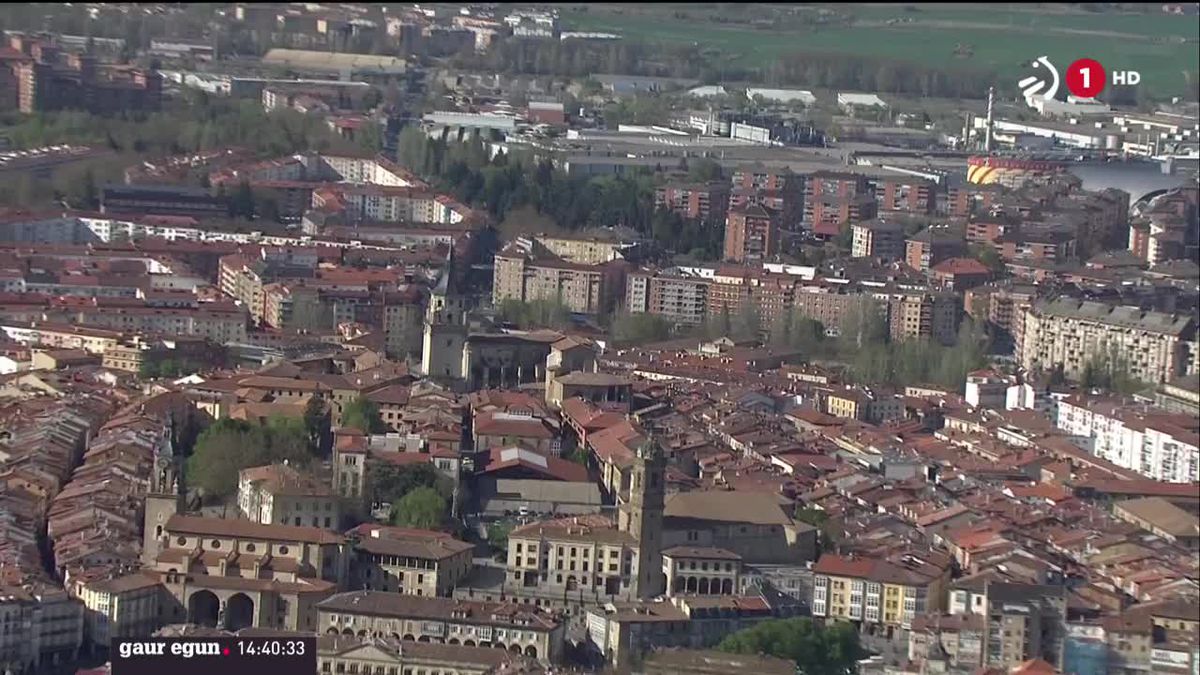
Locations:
column 163, row 500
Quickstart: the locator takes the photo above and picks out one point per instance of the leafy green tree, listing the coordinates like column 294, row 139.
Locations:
column 228, row 446
column 318, row 425
column 832, row 649
column 989, row 256
column 640, row 328
column 389, row 483
column 845, row 236
column 422, row 507
column 535, row 313
column 497, row 535
column 148, row 370
column 748, row 324
column 363, row 414
column 1109, row 370
column 818, row 518
column 241, row 204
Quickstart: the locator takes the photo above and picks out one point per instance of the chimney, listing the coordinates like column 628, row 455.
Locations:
column 987, row 142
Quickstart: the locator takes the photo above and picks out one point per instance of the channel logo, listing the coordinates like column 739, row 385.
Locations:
column 1085, row 78
column 1034, row 84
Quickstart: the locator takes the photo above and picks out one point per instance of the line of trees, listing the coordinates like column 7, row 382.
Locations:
column 833, row 70
column 516, row 180
column 831, row 649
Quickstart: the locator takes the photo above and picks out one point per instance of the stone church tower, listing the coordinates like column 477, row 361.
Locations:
column 163, row 500
column 647, row 490
column 445, row 332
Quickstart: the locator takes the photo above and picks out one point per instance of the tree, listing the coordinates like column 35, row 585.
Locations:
column 497, row 535
column 363, row 414
column 317, row 424
column 535, row 313
column 242, row 201
column 818, row 518
column 989, row 256
column 832, row 649
column 1110, row 370
column 640, row 328
column 422, row 508
column 148, row 370
column 863, row 323
column 389, row 483
column 704, row 169
column 748, row 325
column 228, row 446
column 845, row 236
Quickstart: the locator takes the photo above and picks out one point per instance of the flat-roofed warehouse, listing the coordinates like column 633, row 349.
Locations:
column 327, row 62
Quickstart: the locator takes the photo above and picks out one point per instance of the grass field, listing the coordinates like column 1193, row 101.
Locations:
column 1003, row 39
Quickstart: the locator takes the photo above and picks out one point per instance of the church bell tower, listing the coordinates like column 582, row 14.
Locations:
column 647, row 490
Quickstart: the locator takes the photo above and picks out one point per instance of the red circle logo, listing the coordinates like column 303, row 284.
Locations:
column 1085, row 78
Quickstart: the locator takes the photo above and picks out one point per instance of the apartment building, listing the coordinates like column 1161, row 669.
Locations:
column 751, row 234
column 861, row 404
column 595, row 250
column 960, row 274
column 931, row 316
column 708, row 202
column 878, row 239
column 219, row 325
column 954, row 641
column 64, row 336
column 1155, row 443
column 123, row 607
column 583, row 288
column 679, row 295
column 965, row 199
column 1153, row 346
column 52, row 81
column 930, row 247
column 281, row 495
column 40, row 626
column 408, row 561
column 448, row 621
column 775, row 188
column 1003, row 306
column 826, row 304
column 906, row 194
column 1052, row 245
column 1024, row 621
column 889, row 593
column 832, row 199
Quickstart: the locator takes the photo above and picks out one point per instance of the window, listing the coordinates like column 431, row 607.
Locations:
column 215, row 543
column 283, row 550
column 250, row 548
column 182, row 541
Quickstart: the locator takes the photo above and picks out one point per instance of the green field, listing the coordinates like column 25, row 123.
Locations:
column 1002, row 38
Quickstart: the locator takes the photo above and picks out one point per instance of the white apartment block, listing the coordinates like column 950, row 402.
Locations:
column 1155, row 347
column 1157, row 444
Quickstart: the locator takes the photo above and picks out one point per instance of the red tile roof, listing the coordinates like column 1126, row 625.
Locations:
column 961, row 266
